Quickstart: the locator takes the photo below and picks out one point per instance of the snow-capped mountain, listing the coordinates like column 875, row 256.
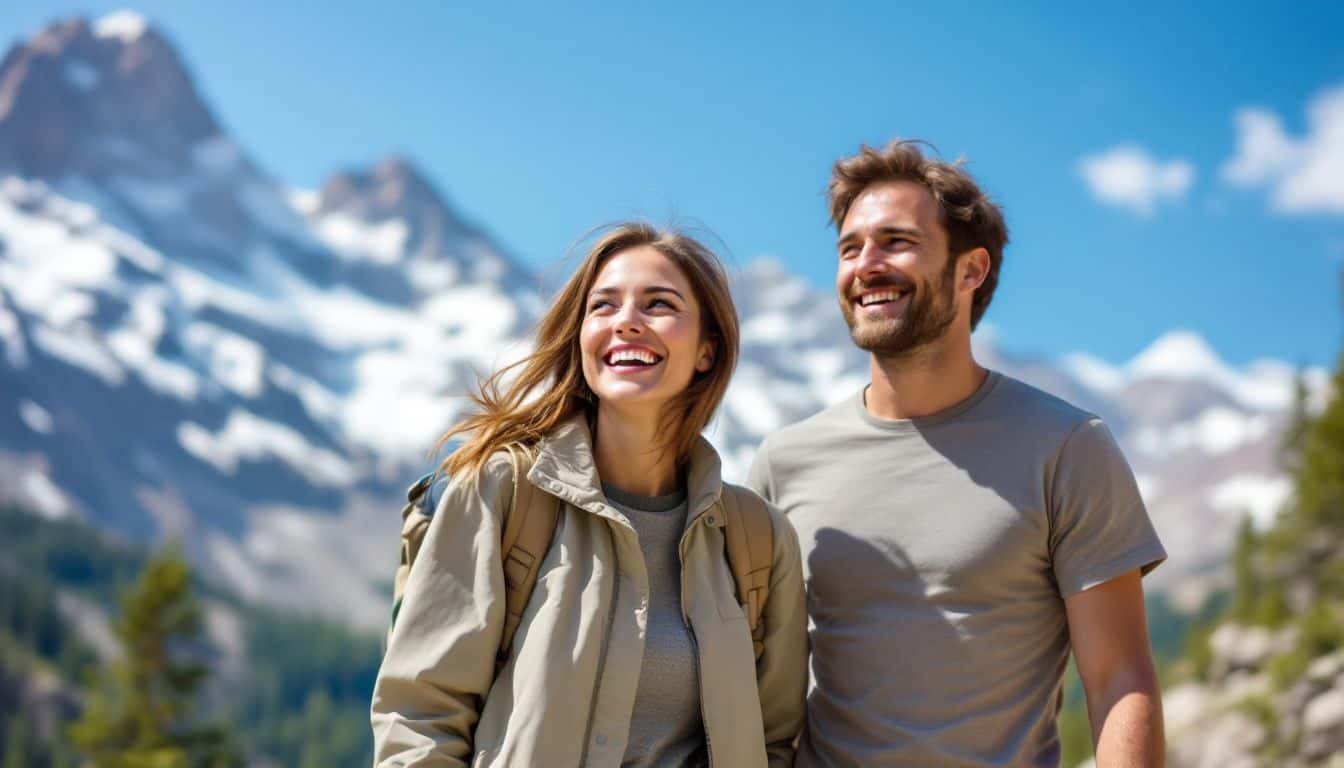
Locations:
column 190, row 349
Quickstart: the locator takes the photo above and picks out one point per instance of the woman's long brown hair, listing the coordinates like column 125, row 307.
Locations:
column 549, row 387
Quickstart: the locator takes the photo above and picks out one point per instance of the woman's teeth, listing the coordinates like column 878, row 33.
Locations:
column 632, row 357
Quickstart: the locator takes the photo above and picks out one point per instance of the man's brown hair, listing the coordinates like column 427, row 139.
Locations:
column 971, row 219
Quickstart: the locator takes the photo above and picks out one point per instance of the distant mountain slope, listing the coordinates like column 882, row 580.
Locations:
column 190, row 348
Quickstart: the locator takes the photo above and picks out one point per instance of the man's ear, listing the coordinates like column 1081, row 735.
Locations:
column 705, row 360
column 974, row 268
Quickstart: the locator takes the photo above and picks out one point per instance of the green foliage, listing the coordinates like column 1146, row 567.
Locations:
column 1257, row 598
column 1198, row 652
column 1286, row 669
column 31, row 618
column 1075, row 732
column 306, row 684
column 1319, row 473
column 142, row 711
column 68, row 553
column 1302, row 549
column 306, row 700
column 1320, row 630
column 1299, row 420
column 1261, row 710
column 17, row 752
column 1245, row 584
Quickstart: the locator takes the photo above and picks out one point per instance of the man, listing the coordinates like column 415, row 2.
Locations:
column 960, row 530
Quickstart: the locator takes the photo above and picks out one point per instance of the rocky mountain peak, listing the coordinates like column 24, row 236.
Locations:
column 394, row 187
column 99, row 98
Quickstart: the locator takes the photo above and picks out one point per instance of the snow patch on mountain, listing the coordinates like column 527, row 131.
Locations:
column 16, row 350
column 235, row 361
column 135, row 350
column 1184, row 355
column 1216, row 430
column 124, row 26
column 1095, row 373
column 381, row 243
column 1260, row 496
column 81, row 348
column 248, row 437
column 35, row 417
column 45, row 496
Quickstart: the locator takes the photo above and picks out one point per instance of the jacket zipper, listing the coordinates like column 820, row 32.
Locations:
column 695, row 644
column 601, row 656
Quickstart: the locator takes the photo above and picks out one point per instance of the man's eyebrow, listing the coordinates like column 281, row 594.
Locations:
column 651, row 289
column 890, row 229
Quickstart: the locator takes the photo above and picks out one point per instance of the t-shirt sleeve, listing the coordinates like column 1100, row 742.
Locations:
column 1100, row 528
column 758, row 477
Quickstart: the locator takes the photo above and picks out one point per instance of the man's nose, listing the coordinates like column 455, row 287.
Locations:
column 871, row 261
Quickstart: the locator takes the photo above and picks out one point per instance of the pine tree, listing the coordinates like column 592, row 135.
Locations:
column 1299, row 421
column 1319, row 474
column 16, row 741
column 141, row 712
column 1245, row 580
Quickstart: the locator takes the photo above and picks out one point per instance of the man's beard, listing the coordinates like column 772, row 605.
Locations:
column 930, row 311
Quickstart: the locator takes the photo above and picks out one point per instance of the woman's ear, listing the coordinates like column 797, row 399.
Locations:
column 705, row 360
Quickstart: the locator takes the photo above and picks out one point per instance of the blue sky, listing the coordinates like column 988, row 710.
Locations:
column 541, row 121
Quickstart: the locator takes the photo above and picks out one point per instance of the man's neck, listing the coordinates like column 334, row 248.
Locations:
column 630, row 456
column 925, row 381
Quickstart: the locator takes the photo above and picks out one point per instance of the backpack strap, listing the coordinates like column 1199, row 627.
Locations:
column 749, row 537
column 529, row 527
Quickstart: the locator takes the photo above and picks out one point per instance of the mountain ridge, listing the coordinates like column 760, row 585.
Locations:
column 192, row 349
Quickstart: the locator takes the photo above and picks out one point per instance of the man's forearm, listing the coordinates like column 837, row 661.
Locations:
column 1127, row 729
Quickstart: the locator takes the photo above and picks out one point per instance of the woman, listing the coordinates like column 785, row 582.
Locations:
column 633, row 649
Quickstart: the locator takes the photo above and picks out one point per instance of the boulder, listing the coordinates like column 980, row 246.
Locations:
column 1323, row 725
column 1229, row 740
column 1237, row 647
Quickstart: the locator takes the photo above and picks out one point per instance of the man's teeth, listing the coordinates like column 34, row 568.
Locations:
column 879, row 296
column 632, row 355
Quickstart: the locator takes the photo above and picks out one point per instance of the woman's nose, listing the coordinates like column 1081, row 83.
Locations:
column 628, row 322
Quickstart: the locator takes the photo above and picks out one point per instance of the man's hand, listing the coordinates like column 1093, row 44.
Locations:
column 1109, row 633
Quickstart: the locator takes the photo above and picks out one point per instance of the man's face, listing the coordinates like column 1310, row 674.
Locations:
column 895, row 278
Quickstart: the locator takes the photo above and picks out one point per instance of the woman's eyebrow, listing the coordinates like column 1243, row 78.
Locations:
column 651, row 289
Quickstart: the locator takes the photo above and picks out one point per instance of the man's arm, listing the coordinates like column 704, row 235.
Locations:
column 1109, row 633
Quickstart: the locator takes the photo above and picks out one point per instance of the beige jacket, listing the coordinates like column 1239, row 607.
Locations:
column 565, row 695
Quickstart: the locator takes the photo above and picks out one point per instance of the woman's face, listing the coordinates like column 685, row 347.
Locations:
column 641, row 339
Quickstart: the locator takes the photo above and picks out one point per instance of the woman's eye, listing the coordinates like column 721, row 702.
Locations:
column 599, row 304
column 663, row 302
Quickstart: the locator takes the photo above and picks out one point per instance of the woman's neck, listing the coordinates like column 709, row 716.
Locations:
column 630, row 456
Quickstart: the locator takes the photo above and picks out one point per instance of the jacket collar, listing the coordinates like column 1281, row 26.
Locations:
column 564, row 467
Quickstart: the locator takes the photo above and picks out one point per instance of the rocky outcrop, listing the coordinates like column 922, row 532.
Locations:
column 1241, row 718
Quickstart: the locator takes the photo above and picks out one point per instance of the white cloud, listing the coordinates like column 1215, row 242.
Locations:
column 1128, row 177
column 1304, row 175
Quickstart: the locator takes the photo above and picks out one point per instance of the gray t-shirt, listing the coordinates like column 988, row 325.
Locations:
column 937, row 553
column 665, row 726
